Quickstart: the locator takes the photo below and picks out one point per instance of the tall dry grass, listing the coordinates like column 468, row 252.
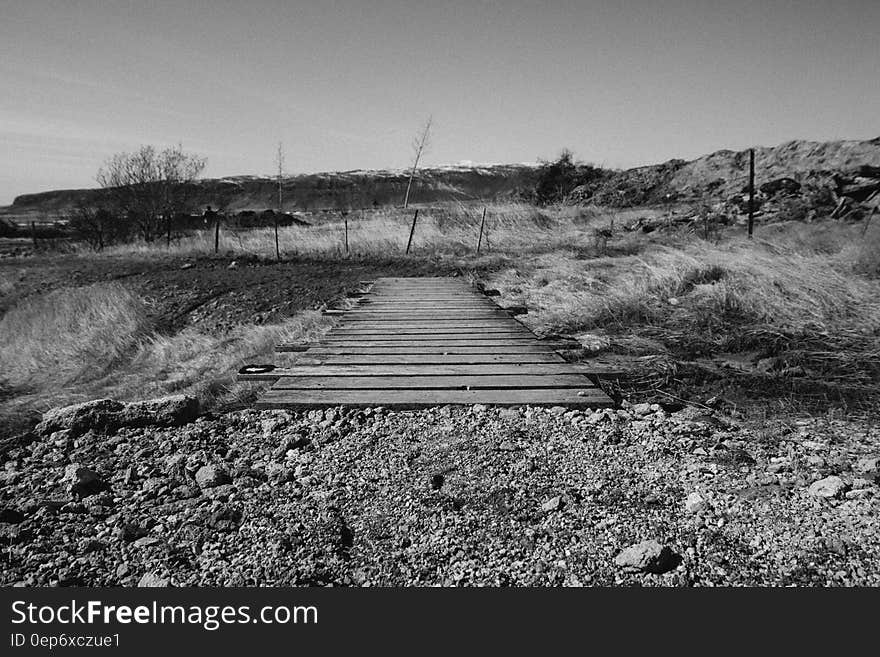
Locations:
column 452, row 229
column 81, row 343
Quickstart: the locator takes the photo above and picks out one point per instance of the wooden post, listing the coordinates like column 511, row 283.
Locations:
column 751, row 192
column 217, row 234
column 345, row 219
column 277, row 250
column 34, row 233
column 480, row 238
column 412, row 230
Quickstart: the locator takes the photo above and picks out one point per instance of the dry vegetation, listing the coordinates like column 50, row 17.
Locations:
column 691, row 315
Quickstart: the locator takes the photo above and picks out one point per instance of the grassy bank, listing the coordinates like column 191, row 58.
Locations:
column 791, row 315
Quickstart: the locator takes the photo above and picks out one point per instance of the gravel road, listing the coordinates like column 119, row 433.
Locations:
column 447, row 496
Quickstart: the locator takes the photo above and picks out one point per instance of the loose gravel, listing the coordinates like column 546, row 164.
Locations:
column 452, row 496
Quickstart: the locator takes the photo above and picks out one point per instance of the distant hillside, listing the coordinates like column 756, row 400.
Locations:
column 724, row 174
column 347, row 189
column 718, row 176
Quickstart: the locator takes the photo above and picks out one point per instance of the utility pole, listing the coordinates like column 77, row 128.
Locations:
column 751, row 192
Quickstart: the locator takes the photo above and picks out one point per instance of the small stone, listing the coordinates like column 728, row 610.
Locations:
column 694, row 503
column 509, row 414
column 147, row 541
column 209, row 476
column 233, row 265
column 152, row 580
column 479, row 408
column 828, row 488
column 558, row 410
column 83, row 481
column 641, row 409
column 647, row 556
column 552, row 504
column 507, row 446
column 868, row 464
column 437, row 481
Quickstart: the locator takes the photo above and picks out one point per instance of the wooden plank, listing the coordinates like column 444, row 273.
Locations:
column 496, row 330
column 398, row 327
column 433, row 359
column 422, row 317
column 452, row 370
column 533, row 381
column 340, row 350
column 430, row 341
column 571, row 397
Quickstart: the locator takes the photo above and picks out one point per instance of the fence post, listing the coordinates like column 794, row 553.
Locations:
column 345, row 218
column 34, row 233
column 751, row 192
column 277, row 250
column 412, row 230
column 482, row 223
column 217, row 235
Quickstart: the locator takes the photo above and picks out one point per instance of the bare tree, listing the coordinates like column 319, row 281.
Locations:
column 420, row 144
column 149, row 188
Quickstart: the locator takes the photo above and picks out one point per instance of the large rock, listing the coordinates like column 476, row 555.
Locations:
column 829, row 487
column 83, row 482
column 647, row 557
column 209, row 476
column 107, row 415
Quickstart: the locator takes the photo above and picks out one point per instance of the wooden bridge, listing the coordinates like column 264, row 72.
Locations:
column 419, row 342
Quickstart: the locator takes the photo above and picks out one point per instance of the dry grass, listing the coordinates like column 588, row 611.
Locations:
column 807, row 293
column 82, row 343
column 450, row 230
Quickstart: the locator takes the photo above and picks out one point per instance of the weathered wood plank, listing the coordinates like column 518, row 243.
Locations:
column 432, row 359
column 341, row 350
column 446, row 327
column 418, row 332
column 431, row 341
column 533, row 381
column 497, row 369
column 570, row 397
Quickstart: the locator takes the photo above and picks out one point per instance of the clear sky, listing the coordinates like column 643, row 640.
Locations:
column 346, row 84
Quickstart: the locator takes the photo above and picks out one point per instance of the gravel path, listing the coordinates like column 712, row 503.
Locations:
column 447, row 496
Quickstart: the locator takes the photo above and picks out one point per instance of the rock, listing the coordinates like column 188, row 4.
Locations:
column 508, row 414
column 209, row 476
column 868, row 464
column 648, row 557
column 186, row 265
column 108, row 415
column 233, row 265
column 225, row 518
column 829, row 487
column 558, row 411
column 147, row 541
column 83, row 482
column 96, row 415
column 478, row 408
column 437, row 481
column 130, row 532
column 641, row 409
column 169, row 411
column 552, row 504
column 694, row 503
column 507, row 446
column 152, row 580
